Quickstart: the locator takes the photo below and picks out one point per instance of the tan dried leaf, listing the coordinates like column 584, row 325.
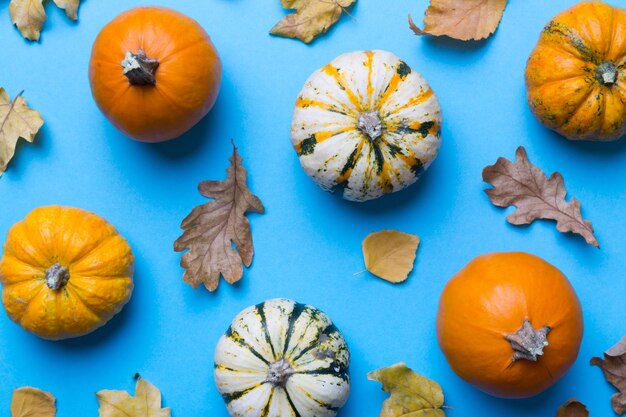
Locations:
column 211, row 229
column 572, row 408
column 390, row 254
column 32, row 402
column 461, row 19
column 29, row 15
column 145, row 403
column 411, row 394
column 312, row 17
column 523, row 185
column 17, row 120
column 614, row 367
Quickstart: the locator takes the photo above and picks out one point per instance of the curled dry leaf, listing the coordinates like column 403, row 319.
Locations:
column 614, row 367
column 572, row 408
column 211, row 230
column 32, row 402
column 411, row 394
column 17, row 120
column 29, row 15
column 390, row 254
column 312, row 17
column 461, row 19
column 525, row 186
column 145, row 403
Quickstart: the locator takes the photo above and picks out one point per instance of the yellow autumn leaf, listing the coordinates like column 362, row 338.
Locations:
column 412, row 395
column 390, row 254
column 16, row 121
column 29, row 15
column 32, row 402
column 145, row 403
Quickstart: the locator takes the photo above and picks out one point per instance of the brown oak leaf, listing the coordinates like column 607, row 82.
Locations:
column 525, row 186
column 614, row 367
column 572, row 408
column 29, row 15
column 17, row 120
column 32, row 402
column 461, row 19
column 312, row 18
column 211, row 230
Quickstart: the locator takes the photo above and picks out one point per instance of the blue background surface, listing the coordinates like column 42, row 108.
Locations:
column 308, row 244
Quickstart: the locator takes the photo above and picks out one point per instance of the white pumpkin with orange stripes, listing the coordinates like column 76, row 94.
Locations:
column 367, row 124
column 282, row 359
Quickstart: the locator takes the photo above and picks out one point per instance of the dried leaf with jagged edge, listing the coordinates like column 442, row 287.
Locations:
column 312, row 18
column 525, row 186
column 32, row 402
column 572, row 408
column 390, row 254
column 145, row 403
column 410, row 394
column 461, row 19
column 211, row 230
column 17, row 120
column 29, row 15
column 614, row 367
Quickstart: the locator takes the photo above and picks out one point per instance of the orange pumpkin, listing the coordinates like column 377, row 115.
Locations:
column 576, row 76
column 510, row 324
column 154, row 73
column 64, row 272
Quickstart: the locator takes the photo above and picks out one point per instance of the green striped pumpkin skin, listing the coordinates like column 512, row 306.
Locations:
column 367, row 124
column 282, row 333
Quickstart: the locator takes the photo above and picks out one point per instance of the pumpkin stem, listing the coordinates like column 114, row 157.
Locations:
column 607, row 73
column 279, row 372
column 139, row 69
column 57, row 276
column 528, row 343
column 370, row 125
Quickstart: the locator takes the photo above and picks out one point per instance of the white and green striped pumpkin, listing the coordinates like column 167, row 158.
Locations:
column 366, row 123
column 282, row 359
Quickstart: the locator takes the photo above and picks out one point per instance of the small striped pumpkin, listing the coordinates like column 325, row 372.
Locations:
column 367, row 124
column 282, row 359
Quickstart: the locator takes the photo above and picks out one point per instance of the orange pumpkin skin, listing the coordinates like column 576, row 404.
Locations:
column 64, row 272
column 576, row 75
column 489, row 300
column 183, row 87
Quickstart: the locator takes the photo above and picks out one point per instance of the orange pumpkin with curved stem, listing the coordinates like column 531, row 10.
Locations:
column 510, row 324
column 64, row 272
column 154, row 73
column 576, row 76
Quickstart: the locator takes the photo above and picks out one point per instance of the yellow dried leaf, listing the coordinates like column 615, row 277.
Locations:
column 390, row 254
column 70, row 7
column 312, row 17
column 32, row 402
column 29, row 15
column 145, row 403
column 461, row 19
column 411, row 394
column 16, row 121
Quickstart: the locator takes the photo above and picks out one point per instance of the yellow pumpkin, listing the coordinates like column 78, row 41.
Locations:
column 64, row 272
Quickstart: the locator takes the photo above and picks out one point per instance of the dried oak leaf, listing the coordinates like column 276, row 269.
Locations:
column 32, row 402
column 312, row 17
column 211, row 229
column 614, row 367
column 572, row 408
column 17, row 120
column 145, row 403
column 411, row 394
column 523, row 185
column 390, row 254
column 461, row 19
column 29, row 15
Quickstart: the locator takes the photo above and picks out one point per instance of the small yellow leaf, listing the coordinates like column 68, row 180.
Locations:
column 390, row 254
column 32, row 402
column 70, row 7
column 16, row 121
column 28, row 16
column 145, row 403
column 411, row 394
